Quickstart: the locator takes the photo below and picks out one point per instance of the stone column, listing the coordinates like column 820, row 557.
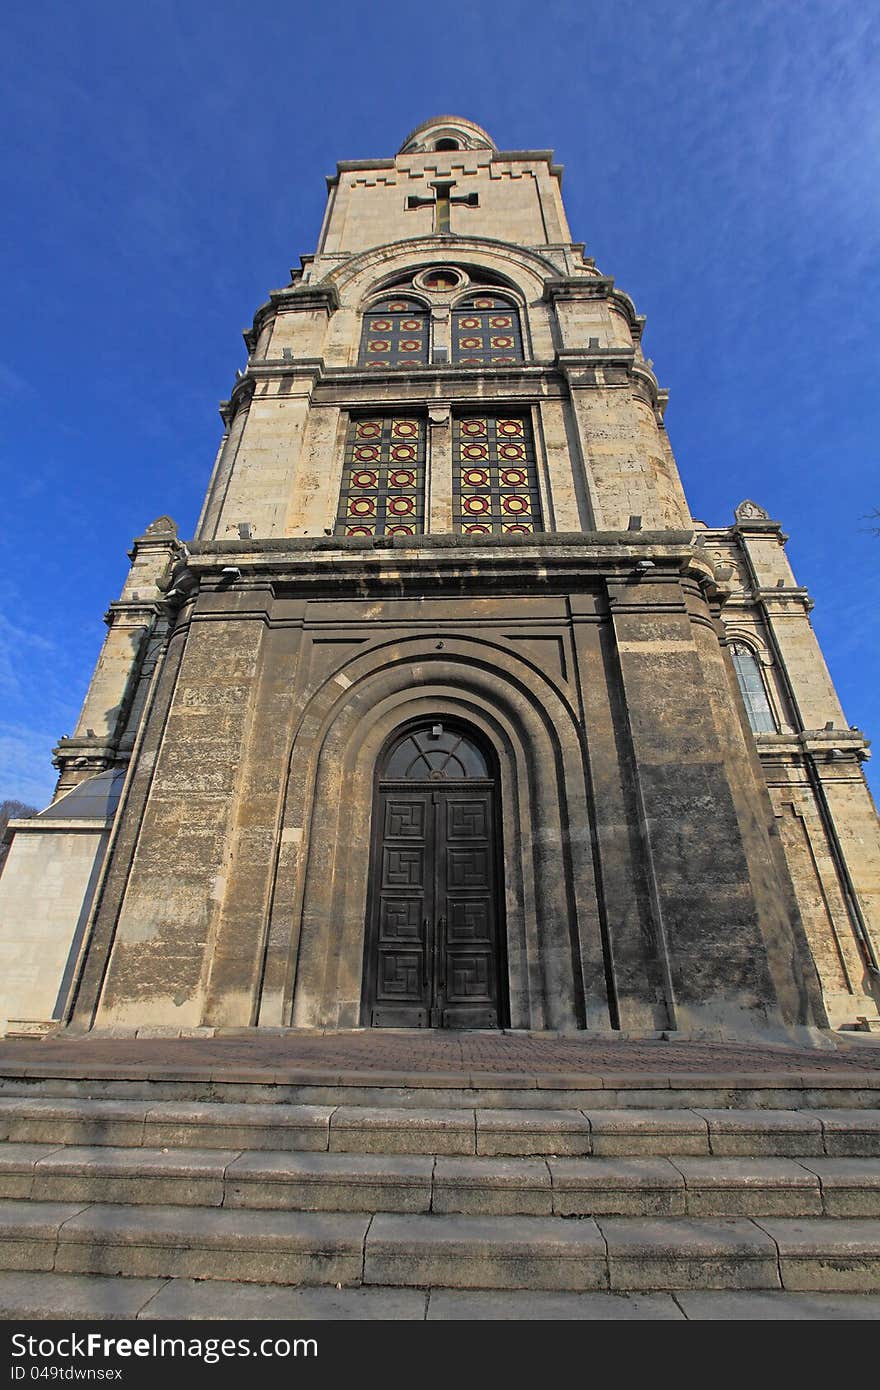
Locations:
column 235, row 415
column 438, row 471
column 104, row 729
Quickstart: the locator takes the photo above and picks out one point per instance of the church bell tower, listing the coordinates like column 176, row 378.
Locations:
column 450, row 715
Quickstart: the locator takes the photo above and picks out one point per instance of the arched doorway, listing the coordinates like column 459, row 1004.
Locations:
column 433, row 945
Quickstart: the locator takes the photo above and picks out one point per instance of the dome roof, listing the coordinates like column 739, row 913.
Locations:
column 95, row 799
column 461, row 134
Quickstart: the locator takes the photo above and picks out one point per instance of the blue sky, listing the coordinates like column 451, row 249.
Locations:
column 163, row 167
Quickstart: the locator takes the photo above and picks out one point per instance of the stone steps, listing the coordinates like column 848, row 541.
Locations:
column 345, row 1182
column 391, row 1250
column 198, row 1085
column 419, row 1209
column 434, row 1131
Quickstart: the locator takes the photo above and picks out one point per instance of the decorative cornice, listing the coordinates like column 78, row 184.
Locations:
column 780, row 596
column 619, row 367
column 571, row 287
column 322, row 295
column 241, row 395
column 557, row 562
column 272, row 368
column 610, row 355
column 830, row 749
column 595, row 287
column 291, row 299
column 634, row 543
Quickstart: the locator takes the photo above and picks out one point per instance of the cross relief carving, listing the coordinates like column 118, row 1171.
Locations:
column 442, row 201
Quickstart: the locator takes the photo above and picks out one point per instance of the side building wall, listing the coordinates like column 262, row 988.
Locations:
column 811, row 763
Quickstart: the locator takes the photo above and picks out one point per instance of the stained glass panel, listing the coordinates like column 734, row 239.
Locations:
column 383, row 479
column 395, row 334
column 436, row 753
column 751, row 684
column 495, row 487
column 485, row 329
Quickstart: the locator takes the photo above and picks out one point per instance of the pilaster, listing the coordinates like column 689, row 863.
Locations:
column 105, row 728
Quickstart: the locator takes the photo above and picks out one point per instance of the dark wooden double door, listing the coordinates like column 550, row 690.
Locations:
column 433, row 958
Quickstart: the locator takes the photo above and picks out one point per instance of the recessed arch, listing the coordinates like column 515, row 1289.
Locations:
column 752, row 686
column 524, row 270
column 434, row 751
column 553, row 932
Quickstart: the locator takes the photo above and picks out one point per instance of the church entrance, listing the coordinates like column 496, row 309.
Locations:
column 433, row 958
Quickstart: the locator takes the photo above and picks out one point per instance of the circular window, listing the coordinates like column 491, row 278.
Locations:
column 440, row 279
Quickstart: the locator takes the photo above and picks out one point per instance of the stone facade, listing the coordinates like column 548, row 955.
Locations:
column 660, row 866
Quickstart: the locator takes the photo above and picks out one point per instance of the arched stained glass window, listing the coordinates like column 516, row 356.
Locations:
column 434, row 753
column 395, row 334
column 752, row 689
column 494, row 481
column 486, row 329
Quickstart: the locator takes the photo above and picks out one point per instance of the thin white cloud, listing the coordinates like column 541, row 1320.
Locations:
column 26, row 771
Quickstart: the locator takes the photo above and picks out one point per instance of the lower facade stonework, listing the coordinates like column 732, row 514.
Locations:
column 639, row 880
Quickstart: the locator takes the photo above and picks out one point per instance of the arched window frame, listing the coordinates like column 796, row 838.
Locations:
column 375, row 308
column 455, row 744
column 737, row 643
column 510, row 298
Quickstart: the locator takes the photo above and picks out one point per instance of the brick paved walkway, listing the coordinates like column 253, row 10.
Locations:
column 423, row 1054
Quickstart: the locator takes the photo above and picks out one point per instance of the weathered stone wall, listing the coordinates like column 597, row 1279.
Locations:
column 639, row 889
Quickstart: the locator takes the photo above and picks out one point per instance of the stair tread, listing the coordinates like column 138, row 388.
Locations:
column 172, row 1220
column 44, row 1295
column 828, row 1235
column 166, row 1225
column 283, row 1112
column 110, row 1160
column 745, row 1172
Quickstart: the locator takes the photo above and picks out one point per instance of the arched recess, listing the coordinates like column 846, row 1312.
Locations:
column 315, row 942
column 524, row 273
column 525, row 270
column 751, row 665
column 363, row 275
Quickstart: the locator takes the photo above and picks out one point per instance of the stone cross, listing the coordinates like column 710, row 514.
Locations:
column 441, row 202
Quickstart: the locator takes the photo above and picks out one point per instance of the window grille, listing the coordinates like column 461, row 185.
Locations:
column 486, row 330
column 395, row 334
column 383, row 479
column 494, row 482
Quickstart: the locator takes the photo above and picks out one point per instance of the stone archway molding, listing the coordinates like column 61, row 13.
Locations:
column 315, row 939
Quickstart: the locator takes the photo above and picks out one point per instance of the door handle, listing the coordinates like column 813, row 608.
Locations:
column 426, row 921
column 441, row 951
